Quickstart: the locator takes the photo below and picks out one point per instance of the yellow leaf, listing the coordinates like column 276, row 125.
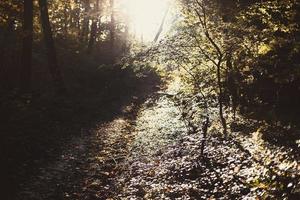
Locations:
column 264, row 49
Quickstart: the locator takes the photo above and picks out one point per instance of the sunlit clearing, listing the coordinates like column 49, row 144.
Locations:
column 146, row 17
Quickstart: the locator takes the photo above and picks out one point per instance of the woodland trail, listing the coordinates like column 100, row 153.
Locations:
column 147, row 153
column 96, row 164
column 154, row 100
column 86, row 168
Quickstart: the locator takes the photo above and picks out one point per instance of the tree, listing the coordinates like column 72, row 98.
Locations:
column 85, row 24
column 94, row 27
column 198, row 47
column 51, row 51
column 216, row 55
column 25, row 74
column 112, row 28
column 162, row 25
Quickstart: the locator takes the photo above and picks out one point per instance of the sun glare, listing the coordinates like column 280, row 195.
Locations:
column 146, row 17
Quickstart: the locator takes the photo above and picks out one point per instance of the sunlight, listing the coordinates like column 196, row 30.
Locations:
column 145, row 17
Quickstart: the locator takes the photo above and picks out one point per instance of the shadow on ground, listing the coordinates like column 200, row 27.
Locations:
column 35, row 127
column 277, row 127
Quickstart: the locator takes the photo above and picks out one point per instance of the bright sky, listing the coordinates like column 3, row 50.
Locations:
column 145, row 16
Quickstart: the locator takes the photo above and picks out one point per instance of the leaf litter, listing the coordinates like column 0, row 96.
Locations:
column 155, row 157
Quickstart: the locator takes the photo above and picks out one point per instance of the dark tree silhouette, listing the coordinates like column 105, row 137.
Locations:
column 112, row 29
column 94, row 28
column 25, row 74
column 85, row 24
column 51, row 51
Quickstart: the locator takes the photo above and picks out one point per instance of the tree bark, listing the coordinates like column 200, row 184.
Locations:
column 93, row 29
column 205, row 127
column 85, row 24
column 220, row 98
column 25, row 73
column 112, row 30
column 66, row 23
column 92, row 37
column 51, row 51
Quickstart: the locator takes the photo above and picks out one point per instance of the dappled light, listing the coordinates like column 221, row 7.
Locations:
column 149, row 99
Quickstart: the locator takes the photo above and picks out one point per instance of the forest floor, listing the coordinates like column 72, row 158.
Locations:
column 147, row 152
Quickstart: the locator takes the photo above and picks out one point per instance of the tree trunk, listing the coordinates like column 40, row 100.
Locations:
column 220, row 98
column 126, row 40
column 161, row 25
column 205, row 127
column 219, row 54
column 25, row 74
column 85, row 24
column 66, row 23
column 93, row 29
column 51, row 51
column 92, row 37
column 112, row 30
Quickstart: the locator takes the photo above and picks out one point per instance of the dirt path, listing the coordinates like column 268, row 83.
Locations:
column 95, row 164
column 147, row 153
column 85, row 168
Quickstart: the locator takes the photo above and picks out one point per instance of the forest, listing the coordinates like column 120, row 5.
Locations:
column 149, row 99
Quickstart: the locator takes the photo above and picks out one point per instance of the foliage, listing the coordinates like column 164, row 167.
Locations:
column 257, row 49
column 267, row 64
column 71, row 24
column 230, row 65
